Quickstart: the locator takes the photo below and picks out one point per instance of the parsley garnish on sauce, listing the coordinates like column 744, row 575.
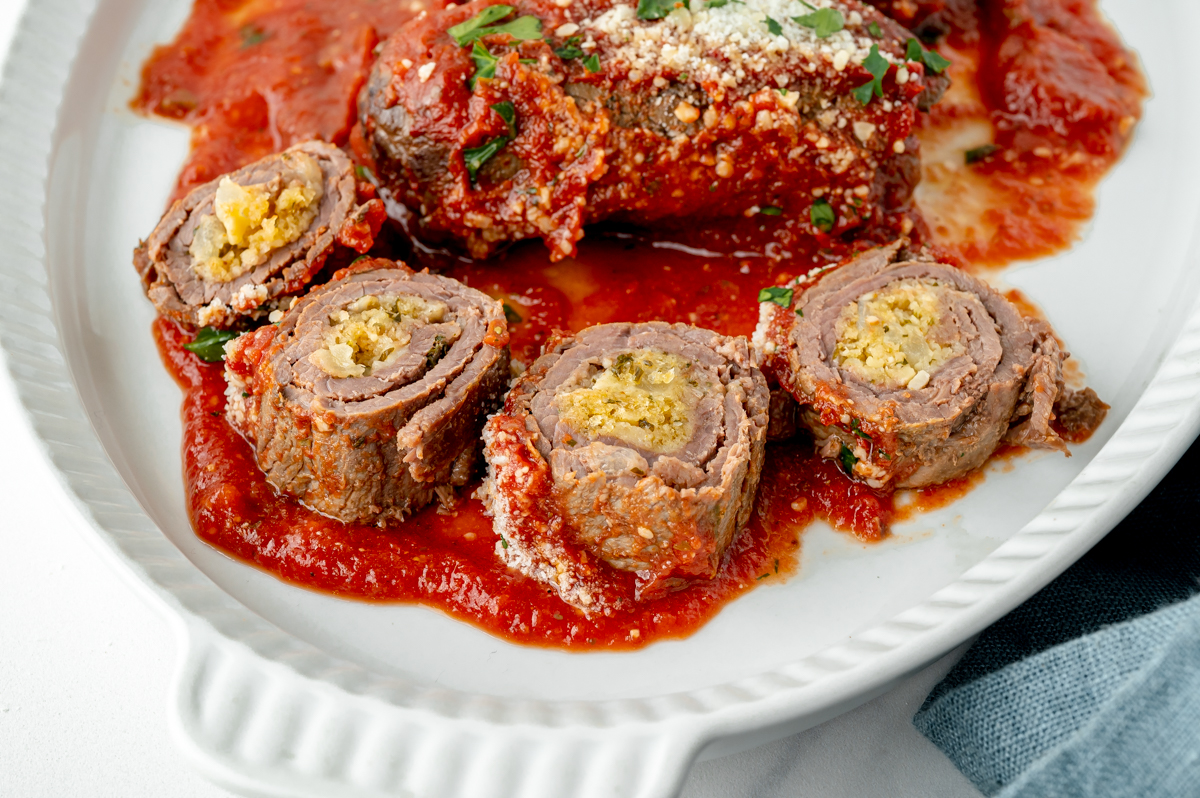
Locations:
column 874, row 29
column 857, row 430
column 508, row 113
column 824, row 21
column 523, row 28
column 592, row 63
column 510, row 315
column 770, row 210
column 485, row 64
column 654, row 9
column 773, row 27
column 979, row 153
column 877, row 65
column 932, row 61
column 570, row 49
column 209, row 344
column 476, row 157
column 780, row 296
column 822, row 215
column 848, row 460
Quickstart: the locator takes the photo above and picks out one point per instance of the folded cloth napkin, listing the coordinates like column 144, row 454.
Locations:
column 1092, row 687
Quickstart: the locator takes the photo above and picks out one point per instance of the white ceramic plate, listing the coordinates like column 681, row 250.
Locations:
column 286, row 692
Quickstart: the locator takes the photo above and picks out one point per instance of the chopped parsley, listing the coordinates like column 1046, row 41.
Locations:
column 932, row 61
column 510, row 315
column 252, row 35
column 437, row 351
column 476, row 157
column 848, row 460
column 824, row 21
column 979, row 153
column 485, row 64
column 874, row 29
column 503, row 542
column 777, row 294
column 654, row 9
column 508, row 113
column 209, row 344
column 773, row 27
column 770, row 210
column 857, row 430
column 877, row 65
column 822, row 216
column 570, row 49
column 364, row 173
column 592, row 63
column 523, row 28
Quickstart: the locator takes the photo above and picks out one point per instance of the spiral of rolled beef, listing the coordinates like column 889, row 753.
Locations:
column 236, row 246
column 635, row 447
column 912, row 372
column 366, row 400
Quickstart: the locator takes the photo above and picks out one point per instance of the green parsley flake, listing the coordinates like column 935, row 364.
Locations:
column 508, row 113
column 773, row 27
column 848, row 460
column 511, row 315
column 932, row 61
column 485, row 64
column 780, row 296
column 857, row 430
column 209, row 344
column 822, row 216
column 570, row 49
column 877, row 65
column 824, row 21
column 476, row 157
column 592, row 63
column 978, row 154
column 770, row 210
column 875, row 30
column 523, row 28
column 654, row 9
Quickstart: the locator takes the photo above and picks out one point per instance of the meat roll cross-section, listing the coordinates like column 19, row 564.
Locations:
column 630, row 448
column 367, row 399
column 912, row 372
column 494, row 123
column 238, row 245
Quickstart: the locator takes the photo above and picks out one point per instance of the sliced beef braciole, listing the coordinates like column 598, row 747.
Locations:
column 237, row 245
column 912, row 372
column 635, row 447
column 366, row 400
column 529, row 119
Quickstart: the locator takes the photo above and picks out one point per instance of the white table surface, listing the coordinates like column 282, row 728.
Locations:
column 85, row 663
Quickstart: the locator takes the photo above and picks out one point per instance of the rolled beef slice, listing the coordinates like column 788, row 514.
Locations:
column 367, row 399
column 702, row 113
column 627, row 447
column 241, row 244
column 912, row 372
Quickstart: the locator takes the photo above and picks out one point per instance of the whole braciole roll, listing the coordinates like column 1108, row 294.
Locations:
column 912, row 372
column 366, row 400
column 634, row 447
column 237, row 245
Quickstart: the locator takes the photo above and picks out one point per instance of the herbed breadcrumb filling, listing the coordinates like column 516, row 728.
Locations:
column 888, row 337
column 371, row 332
column 248, row 223
column 646, row 398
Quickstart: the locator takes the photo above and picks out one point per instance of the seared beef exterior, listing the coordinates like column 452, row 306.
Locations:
column 635, row 447
column 366, row 400
column 716, row 111
column 242, row 244
column 912, row 372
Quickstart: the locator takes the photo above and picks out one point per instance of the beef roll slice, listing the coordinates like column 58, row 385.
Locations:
column 912, row 372
column 492, row 123
column 242, row 244
column 366, row 399
column 633, row 448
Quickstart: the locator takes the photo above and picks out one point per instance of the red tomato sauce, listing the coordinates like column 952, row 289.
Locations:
column 254, row 76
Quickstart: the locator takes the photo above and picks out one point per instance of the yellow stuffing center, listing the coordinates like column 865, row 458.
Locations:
column 371, row 332
column 248, row 223
column 885, row 337
column 644, row 398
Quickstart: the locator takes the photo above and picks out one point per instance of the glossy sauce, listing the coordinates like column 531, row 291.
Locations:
column 253, row 77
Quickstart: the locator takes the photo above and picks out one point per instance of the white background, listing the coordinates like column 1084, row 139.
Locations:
column 85, row 664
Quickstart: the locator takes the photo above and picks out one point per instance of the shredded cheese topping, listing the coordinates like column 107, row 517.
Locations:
column 645, row 398
column 888, row 338
column 371, row 332
column 248, row 223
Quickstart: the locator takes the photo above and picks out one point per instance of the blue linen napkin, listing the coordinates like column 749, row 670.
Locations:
column 1092, row 687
